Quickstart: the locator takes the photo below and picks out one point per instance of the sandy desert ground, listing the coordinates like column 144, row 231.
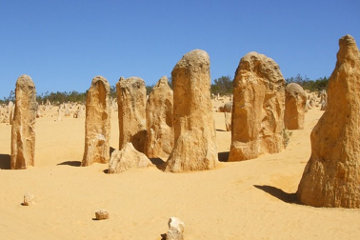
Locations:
column 251, row 199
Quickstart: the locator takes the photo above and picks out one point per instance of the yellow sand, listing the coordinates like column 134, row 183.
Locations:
column 240, row 200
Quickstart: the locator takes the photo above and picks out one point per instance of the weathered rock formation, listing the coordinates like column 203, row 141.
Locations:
column 227, row 109
column 97, row 122
column 176, row 229
column 159, row 120
column 258, row 108
column 227, row 121
column 131, row 97
column 23, row 127
column 194, row 131
column 332, row 176
column 101, row 214
column 323, row 100
column 28, row 199
column 295, row 104
column 128, row 157
column 11, row 112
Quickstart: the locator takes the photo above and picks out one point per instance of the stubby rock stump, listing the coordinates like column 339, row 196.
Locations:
column 101, row 214
column 176, row 229
column 128, row 157
column 28, row 199
column 295, row 103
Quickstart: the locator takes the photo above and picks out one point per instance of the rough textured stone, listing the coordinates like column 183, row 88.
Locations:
column 176, row 229
column 332, row 176
column 97, row 122
column 227, row 107
column 101, row 214
column 227, row 121
column 194, row 130
column 11, row 112
column 323, row 100
column 28, row 199
column 159, row 120
column 295, row 103
column 258, row 108
column 60, row 113
column 128, row 157
column 131, row 97
column 23, row 127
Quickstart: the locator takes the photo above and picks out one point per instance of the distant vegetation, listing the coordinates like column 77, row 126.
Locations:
column 222, row 85
column 306, row 83
column 61, row 97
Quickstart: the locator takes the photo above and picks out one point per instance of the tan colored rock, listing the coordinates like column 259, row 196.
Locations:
column 126, row 158
column 11, row 112
column 227, row 107
column 323, row 100
column 28, row 199
column 176, row 229
column 332, row 176
column 159, row 120
column 295, row 104
column 101, row 214
column 227, row 121
column 23, row 127
column 131, row 97
column 258, row 108
column 60, row 114
column 194, row 130
column 97, row 123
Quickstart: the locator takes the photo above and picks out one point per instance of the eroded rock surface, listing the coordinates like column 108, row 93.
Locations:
column 126, row 158
column 159, row 120
column 332, row 176
column 23, row 125
column 97, row 122
column 194, row 131
column 258, row 108
column 131, row 97
column 295, row 104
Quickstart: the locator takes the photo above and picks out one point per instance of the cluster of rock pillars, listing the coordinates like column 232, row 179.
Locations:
column 178, row 125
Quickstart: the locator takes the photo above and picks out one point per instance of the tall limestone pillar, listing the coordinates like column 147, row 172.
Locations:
column 131, row 97
column 97, row 122
column 332, row 176
column 194, row 129
column 23, row 126
column 258, row 108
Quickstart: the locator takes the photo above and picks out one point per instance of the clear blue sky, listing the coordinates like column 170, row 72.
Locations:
column 63, row 44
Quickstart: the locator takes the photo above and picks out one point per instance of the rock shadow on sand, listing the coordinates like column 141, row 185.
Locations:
column 221, row 130
column 159, row 163
column 71, row 163
column 223, row 156
column 278, row 193
column 4, row 161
